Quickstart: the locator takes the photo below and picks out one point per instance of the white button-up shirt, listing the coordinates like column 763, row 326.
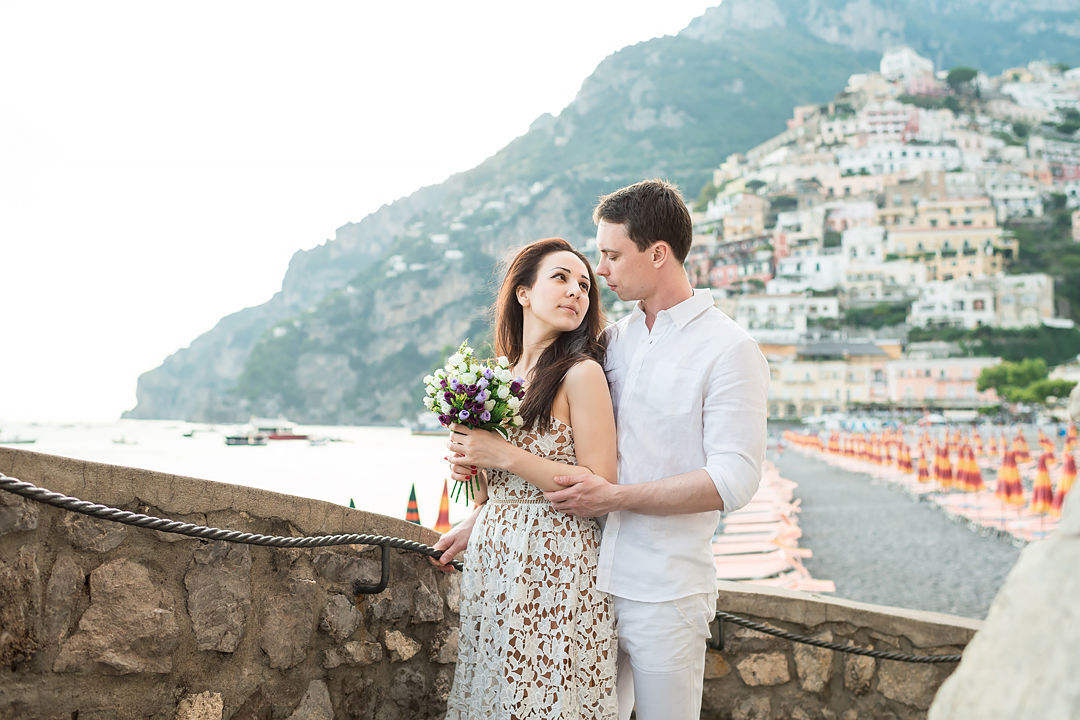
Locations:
column 690, row 394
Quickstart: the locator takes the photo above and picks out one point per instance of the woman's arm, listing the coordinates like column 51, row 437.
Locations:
column 593, row 423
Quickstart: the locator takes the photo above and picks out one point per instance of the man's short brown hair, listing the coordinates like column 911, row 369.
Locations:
column 652, row 211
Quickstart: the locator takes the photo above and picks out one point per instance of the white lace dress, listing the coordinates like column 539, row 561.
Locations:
column 537, row 637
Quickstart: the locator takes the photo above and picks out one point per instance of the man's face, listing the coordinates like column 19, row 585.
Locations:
column 629, row 272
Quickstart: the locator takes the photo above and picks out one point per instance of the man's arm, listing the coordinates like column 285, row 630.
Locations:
column 734, row 416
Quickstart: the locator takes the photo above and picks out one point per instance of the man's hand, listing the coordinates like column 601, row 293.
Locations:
column 453, row 542
column 584, row 495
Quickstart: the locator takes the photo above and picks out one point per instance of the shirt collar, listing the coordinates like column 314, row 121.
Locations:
column 684, row 312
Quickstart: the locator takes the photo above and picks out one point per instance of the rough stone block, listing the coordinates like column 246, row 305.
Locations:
column 409, row 690
column 204, row 706
column 130, row 626
column 427, row 603
column 444, row 648
column 907, row 683
column 813, row 665
column 764, row 669
column 715, row 665
column 62, row 595
column 757, row 707
column 17, row 514
column 340, row 618
column 218, row 583
column 89, row 533
column 401, row 646
column 858, row 673
column 315, row 705
column 344, row 569
column 355, row 653
column 20, row 582
column 452, row 591
column 394, row 603
column 289, row 623
column 256, row 707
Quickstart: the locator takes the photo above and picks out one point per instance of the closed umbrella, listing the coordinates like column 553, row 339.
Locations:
column 1068, row 477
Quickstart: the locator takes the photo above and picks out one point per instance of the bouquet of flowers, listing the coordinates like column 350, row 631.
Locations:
column 479, row 394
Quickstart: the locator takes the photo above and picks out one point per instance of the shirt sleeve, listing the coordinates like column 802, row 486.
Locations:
column 734, row 417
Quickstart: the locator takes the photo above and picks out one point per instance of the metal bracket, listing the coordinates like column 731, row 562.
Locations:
column 360, row 588
column 718, row 643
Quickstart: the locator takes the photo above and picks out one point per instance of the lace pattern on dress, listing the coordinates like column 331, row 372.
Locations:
column 537, row 637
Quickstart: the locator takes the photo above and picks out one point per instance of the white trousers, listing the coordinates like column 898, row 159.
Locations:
column 661, row 666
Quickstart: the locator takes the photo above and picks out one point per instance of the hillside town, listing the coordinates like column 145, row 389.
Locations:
column 895, row 197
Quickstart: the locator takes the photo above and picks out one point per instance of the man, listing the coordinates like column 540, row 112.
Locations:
column 689, row 389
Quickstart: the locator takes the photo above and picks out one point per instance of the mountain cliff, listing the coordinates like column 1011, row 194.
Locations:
column 361, row 318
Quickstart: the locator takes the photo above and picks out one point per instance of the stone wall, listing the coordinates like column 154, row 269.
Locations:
column 100, row 620
column 761, row 677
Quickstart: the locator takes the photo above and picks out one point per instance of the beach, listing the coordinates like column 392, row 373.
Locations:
column 881, row 546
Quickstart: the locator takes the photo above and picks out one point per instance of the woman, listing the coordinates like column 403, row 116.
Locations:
column 537, row 636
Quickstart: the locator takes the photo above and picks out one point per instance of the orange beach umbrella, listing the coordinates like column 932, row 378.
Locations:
column 443, row 523
column 1068, row 477
column 1042, row 495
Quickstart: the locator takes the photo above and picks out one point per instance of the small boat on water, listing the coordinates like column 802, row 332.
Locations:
column 246, row 439
column 279, row 429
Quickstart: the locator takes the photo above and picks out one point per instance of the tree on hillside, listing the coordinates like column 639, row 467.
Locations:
column 959, row 77
column 1025, row 381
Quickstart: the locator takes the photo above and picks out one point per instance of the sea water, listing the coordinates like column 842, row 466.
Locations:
column 374, row 466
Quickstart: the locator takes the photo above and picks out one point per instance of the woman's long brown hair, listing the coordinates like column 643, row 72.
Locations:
column 568, row 349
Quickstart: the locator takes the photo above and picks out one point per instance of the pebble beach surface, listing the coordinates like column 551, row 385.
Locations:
column 881, row 546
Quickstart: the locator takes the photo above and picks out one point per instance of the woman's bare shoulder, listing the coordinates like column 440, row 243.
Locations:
column 587, row 372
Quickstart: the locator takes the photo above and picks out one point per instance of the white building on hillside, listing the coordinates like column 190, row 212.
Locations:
column 907, row 160
column 902, row 62
column 864, row 244
column 1023, row 300
column 782, row 318
column 1014, row 195
column 952, row 303
column 822, row 271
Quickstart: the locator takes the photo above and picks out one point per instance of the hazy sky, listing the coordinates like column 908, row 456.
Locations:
column 160, row 163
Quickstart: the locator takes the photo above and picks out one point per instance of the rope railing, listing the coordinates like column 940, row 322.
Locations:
column 149, row 522
column 850, row 649
column 104, row 512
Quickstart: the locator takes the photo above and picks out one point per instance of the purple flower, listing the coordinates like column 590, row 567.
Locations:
column 463, row 415
column 515, row 387
column 454, row 384
column 448, row 396
column 482, row 383
column 483, row 396
column 445, row 419
column 443, row 384
column 485, row 416
column 488, row 373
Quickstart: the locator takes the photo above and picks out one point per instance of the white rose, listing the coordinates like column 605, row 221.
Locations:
column 440, row 374
column 489, row 405
column 513, row 403
column 428, row 379
column 516, row 421
column 455, row 360
column 505, row 376
column 468, row 378
column 429, row 402
column 445, row 406
column 503, row 362
column 502, row 392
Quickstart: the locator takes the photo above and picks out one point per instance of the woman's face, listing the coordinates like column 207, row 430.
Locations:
column 560, row 296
